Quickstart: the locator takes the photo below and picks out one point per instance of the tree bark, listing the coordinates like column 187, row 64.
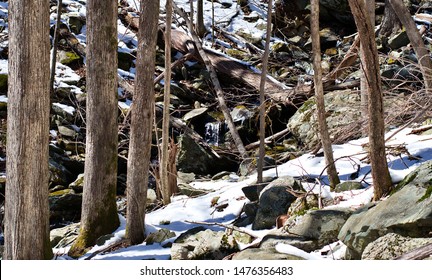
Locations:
column 416, row 40
column 26, row 206
column 390, row 23
column 380, row 173
column 200, row 28
column 99, row 211
column 370, row 4
column 261, row 153
column 319, row 95
column 166, row 196
column 141, row 122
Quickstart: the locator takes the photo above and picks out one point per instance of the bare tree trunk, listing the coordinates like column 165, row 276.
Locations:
column 260, row 163
column 141, row 122
column 166, row 196
column 380, row 173
column 219, row 92
column 416, row 40
column 26, row 206
column 200, row 28
column 319, row 95
column 390, row 23
column 99, row 211
column 370, row 4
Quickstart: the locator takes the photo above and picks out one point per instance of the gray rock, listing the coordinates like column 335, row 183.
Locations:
column 274, row 201
column 59, row 175
column 207, row 244
column 65, row 206
column 343, row 109
column 190, row 191
column 320, row 226
column 399, row 40
column 78, row 184
column 391, row 246
column 348, row 186
column 195, row 113
column 407, row 211
column 159, row 236
column 64, row 236
column 260, row 254
column 193, row 158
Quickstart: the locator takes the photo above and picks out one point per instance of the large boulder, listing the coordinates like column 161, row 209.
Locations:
column 259, row 254
column 194, row 158
column 407, row 212
column 204, row 245
column 343, row 108
column 274, row 200
column 320, row 226
column 391, row 246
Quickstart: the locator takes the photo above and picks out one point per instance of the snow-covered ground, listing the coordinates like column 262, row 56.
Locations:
column 349, row 158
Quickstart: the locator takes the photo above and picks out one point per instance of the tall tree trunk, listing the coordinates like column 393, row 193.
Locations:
column 260, row 163
column 319, row 95
column 166, row 109
column 370, row 4
column 99, row 211
column 200, row 27
column 26, row 206
column 141, row 122
column 416, row 40
column 380, row 173
column 390, row 23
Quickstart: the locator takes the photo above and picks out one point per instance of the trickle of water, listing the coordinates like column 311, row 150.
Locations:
column 212, row 133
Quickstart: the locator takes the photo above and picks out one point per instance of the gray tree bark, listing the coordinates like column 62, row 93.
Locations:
column 416, row 40
column 141, row 122
column 380, row 173
column 99, row 211
column 163, row 165
column 261, row 153
column 26, row 206
column 319, row 95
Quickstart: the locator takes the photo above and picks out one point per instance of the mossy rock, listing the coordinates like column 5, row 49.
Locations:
column 3, row 83
column 68, row 58
column 348, row 186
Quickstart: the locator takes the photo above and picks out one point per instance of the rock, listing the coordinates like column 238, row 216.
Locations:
column 248, row 165
column 399, row 40
column 3, row 83
column 185, row 177
column 279, row 236
column 190, row 191
column 302, row 204
column 348, row 186
column 193, row 158
column 65, row 206
column 274, row 201
column 76, row 22
column 159, row 236
column 59, row 175
column 407, row 211
column 125, row 60
column 252, row 192
column 195, row 113
column 207, row 244
column 78, row 184
column 343, row 109
column 391, row 246
column 68, row 58
column 260, row 254
column 320, row 226
column 64, row 236
column 66, row 131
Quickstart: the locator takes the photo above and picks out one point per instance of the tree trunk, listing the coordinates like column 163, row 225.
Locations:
column 319, row 95
column 380, row 173
column 370, row 4
column 390, row 23
column 141, row 122
column 26, row 206
column 200, row 28
column 99, row 211
column 166, row 196
column 416, row 40
column 260, row 163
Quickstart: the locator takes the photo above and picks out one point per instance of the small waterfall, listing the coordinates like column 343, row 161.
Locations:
column 213, row 133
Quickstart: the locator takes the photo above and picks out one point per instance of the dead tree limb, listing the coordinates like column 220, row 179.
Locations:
column 417, row 254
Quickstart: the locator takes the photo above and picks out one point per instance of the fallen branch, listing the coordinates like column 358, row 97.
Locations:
column 230, row 227
column 417, row 254
column 269, row 139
